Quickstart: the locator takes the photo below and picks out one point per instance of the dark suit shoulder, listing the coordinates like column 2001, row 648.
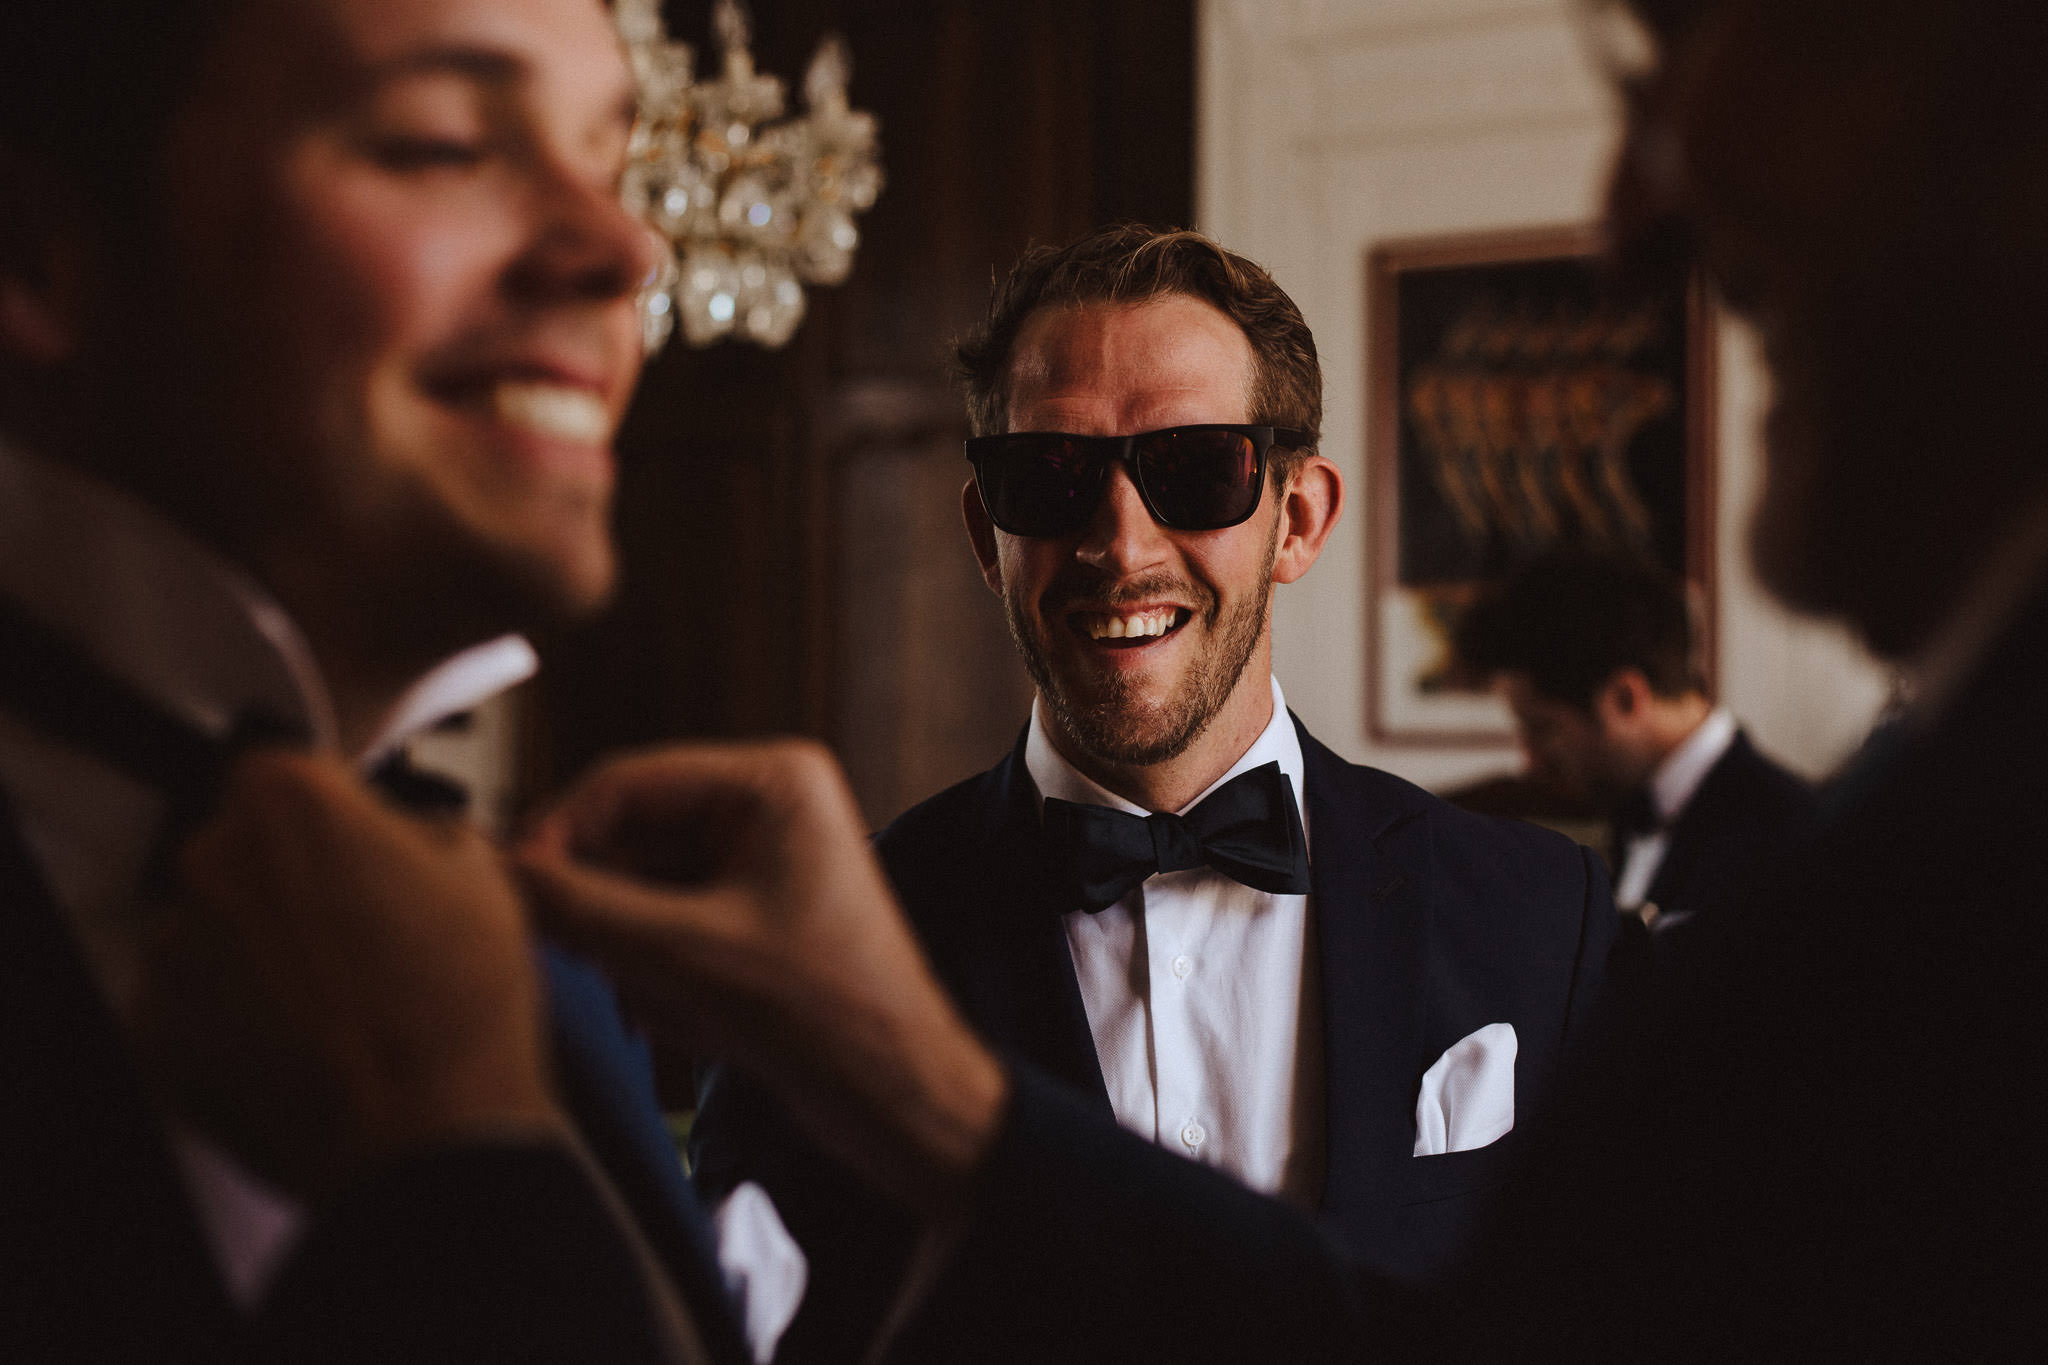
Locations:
column 943, row 852
column 1477, row 852
column 958, row 813
column 1768, row 789
column 1748, row 816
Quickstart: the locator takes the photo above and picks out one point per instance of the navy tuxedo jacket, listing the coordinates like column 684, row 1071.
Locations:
column 1430, row 922
column 1746, row 816
column 470, row 1254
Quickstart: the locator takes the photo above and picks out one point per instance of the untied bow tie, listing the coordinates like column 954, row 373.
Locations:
column 1249, row 829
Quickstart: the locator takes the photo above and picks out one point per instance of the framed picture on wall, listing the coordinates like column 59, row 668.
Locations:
column 1514, row 405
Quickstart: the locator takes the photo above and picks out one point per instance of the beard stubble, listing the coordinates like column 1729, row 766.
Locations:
column 1114, row 726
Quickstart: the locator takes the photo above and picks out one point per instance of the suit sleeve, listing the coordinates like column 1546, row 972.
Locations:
column 1088, row 1244
column 1599, row 929
column 496, row 1251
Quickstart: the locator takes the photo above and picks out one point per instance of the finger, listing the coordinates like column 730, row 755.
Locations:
column 677, row 781
column 678, row 850
column 710, row 785
column 232, row 854
column 617, row 917
column 281, row 793
column 275, row 780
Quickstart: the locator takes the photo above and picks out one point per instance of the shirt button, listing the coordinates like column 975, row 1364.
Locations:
column 1194, row 1135
column 1182, row 965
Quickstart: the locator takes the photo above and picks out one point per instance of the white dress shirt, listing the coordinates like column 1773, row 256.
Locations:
column 163, row 613
column 1672, row 787
column 1197, row 988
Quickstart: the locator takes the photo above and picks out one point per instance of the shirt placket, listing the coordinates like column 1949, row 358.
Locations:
column 1186, row 1123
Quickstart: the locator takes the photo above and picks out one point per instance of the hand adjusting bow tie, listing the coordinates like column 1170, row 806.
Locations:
column 1248, row 829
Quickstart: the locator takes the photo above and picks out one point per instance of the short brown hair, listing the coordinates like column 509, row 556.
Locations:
column 1131, row 264
column 1571, row 620
column 91, row 85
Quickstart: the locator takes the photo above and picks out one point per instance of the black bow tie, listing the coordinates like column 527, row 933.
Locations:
column 1637, row 816
column 417, row 790
column 1248, row 829
column 1633, row 819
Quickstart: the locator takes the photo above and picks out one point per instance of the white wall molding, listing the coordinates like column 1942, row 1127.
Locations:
column 1317, row 22
column 1493, row 77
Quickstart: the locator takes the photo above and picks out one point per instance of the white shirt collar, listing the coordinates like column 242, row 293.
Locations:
column 173, row 619
column 1057, row 778
column 459, row 684
column 1684, row 768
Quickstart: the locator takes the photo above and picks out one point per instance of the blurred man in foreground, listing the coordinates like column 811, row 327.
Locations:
column 316, row 319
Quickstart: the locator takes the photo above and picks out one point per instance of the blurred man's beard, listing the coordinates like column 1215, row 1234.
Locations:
column 448, row 585
column 1897, row 457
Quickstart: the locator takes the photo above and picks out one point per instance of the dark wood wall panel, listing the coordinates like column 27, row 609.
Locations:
column 788, row 520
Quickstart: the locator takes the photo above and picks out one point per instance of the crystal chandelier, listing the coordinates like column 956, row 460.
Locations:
column 754, row 205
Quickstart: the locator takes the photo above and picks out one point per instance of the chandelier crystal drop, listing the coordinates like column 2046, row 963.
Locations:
column 753, row 205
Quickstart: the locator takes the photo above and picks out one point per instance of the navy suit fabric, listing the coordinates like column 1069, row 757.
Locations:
column 485, row 1253
column 1747, row 816
column 1430, row 922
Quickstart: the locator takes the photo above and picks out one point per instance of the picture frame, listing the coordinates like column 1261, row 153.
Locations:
column 1513, row 403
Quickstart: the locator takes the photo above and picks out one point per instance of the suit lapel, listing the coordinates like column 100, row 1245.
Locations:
column 1706, row 810
column 110, row 1252
column 1368, row 872
column 607, row 1081
column 1023, row 965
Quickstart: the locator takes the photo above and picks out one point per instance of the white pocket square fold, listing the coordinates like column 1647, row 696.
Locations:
column 1468, row 1097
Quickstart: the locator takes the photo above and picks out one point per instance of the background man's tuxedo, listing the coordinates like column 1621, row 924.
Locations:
column 1747, row 814
column 1430, row 923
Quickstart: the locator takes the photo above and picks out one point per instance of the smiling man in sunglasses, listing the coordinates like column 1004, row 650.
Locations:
column 1310, row 975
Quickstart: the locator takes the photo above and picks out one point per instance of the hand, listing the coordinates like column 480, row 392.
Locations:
column 732, row 892
column 339, row 982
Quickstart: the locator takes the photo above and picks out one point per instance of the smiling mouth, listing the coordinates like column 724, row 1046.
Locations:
column 1133, row 630
column 549, row 408
column 559, row 411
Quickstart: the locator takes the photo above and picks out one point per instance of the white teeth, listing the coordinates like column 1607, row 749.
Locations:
column 553, row 410
column 1126, row 627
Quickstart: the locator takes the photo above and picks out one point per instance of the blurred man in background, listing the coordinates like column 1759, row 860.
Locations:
column 1596, row 659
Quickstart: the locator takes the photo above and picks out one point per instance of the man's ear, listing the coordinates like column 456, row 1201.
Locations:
column 1623, row 697
column 43, row 257
column 1311, row 502
column 981, row 534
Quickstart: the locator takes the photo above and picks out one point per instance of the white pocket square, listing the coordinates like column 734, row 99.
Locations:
column 1468, row 1097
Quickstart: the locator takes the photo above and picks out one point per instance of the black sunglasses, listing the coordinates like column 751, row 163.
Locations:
column 1193, row 478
